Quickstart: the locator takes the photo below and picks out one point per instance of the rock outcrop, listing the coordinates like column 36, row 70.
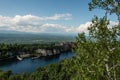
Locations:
column 63, row 47
column 46, row 52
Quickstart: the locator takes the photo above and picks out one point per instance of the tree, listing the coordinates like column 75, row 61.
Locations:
column 110, row 6
column 98, row 52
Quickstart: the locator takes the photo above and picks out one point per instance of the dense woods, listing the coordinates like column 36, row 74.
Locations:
column 97, row 53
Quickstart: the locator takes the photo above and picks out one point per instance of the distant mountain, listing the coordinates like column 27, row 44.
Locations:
column 11, row 31
column 24, row 37
column 19, row 32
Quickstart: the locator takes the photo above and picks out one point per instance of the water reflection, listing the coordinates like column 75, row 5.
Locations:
column 29, row 65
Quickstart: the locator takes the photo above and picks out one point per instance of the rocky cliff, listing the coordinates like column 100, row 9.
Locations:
column 63, row 47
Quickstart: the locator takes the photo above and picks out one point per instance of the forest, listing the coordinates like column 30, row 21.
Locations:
column 97, row 53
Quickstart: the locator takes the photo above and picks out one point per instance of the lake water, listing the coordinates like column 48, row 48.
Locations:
column 30, row 65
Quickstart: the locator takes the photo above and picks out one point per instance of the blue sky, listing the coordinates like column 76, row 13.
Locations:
column 27, row 15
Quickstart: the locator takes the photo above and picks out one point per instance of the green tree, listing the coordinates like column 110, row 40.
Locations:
column 98, row 52
column 110, row 6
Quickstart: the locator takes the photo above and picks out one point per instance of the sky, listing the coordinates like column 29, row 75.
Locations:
column 47, row 16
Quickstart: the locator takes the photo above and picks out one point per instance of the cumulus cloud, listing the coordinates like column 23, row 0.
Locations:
column 84, row 27
column 31, row 23
column 56, row 28
column 113, row 23
column 58, row 17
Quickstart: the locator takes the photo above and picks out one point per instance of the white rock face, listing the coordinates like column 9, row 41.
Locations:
column 42, row 51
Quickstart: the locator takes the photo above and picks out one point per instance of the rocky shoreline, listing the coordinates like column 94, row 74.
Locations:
column 44, row 52
column 66, row 47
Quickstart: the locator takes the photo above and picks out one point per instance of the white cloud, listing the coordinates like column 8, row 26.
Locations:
column 6, row 21
column 56, row 28
column 58, row 17
column 31, row 23
column 84, row 27
column 26, row 18
column 113, row 23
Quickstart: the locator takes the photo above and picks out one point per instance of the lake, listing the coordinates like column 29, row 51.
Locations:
column 30, row 65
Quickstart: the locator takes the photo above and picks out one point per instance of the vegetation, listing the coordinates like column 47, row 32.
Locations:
column 8, row 50
column 97, row 54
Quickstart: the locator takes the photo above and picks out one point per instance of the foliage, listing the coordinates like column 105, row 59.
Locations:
column 99, row 53
column 110, row 6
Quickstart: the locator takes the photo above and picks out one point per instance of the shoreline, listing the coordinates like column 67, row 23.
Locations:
column 36, row 51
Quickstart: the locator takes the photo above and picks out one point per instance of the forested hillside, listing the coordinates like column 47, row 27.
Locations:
column 30, row 38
